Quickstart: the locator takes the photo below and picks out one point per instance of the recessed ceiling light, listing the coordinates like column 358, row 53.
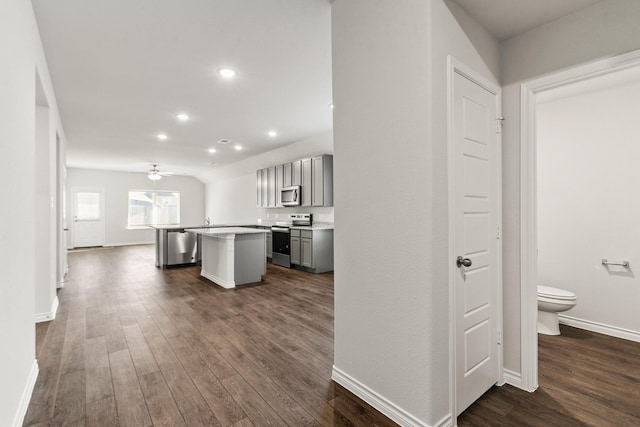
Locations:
column 238, row 147
column 212, row 150
column 224, row 141
column 331, row 106
column 162, row 136
column 272, row 133
column 227, row 73
column 182, row 117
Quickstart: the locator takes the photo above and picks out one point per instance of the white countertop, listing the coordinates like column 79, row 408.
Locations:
column 230, row 230
column 320, row 226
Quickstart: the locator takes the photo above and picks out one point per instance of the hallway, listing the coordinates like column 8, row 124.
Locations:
column 133, row 345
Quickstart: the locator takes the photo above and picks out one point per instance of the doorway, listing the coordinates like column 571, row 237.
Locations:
column 529, row 204
column 88, row 217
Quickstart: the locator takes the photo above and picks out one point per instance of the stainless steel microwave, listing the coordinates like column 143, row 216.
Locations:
column 290, row 196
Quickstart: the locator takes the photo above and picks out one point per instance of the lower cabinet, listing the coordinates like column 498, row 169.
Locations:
column 295, row 247
column 306, row 249
column 312, row 249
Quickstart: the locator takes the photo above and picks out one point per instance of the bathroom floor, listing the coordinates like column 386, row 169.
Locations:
column 586, row 379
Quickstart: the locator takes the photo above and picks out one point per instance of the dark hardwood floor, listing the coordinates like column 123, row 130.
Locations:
column 585, row 379
column 133, row 345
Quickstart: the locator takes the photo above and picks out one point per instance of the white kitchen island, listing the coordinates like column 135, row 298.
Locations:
column 233, row 256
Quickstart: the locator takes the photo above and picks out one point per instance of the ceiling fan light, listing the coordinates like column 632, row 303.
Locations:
column 154, row 176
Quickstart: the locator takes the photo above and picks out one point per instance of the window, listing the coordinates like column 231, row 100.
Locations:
column 87, row 205
column 153, row 208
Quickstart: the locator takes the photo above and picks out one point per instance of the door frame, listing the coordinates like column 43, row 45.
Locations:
column 454, row 66
column 74, row 192
column 529, row 203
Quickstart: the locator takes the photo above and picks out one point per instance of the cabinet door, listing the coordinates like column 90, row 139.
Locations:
column 269, row 245
column 279, row 184
column 306, row 252
column 306, row 182
column 271, row 187
column 296, row 172
column 295, row 250
column 286, row 180
column 259, row 188
column 317, row 189
column 265, row 188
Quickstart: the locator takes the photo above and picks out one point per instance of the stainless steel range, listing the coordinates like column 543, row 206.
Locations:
column 281, row 233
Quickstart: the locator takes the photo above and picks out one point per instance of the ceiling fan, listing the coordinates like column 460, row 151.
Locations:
column 154, row 173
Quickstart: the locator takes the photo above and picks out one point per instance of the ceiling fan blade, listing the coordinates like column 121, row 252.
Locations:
column 166, row 173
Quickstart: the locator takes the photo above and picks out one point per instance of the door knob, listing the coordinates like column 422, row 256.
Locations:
column 463, row 262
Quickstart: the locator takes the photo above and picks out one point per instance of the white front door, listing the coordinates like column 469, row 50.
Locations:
column 88, row 217
column 476, row 195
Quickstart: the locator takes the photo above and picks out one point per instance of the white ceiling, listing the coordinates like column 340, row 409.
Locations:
column 123, row 69
column 507, row 18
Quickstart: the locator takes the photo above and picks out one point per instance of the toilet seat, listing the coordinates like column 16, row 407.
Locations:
column 555, row 293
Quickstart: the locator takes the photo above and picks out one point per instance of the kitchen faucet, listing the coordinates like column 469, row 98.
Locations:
column 207, row 221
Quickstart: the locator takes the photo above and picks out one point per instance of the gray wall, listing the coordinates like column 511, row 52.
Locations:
column 22, row 55
column 605, row 29
column 391, row 240
column 590, row 209
column 117, row 186
column 231, row 190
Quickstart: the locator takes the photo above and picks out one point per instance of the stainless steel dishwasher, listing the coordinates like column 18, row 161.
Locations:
column 176, row 246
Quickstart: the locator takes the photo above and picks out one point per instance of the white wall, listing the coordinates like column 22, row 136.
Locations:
column 605, row 29
column 588, row 209
column 390, row 168
column 45, row 221
column 231, row 190
column 117, row 186
column 21, row 54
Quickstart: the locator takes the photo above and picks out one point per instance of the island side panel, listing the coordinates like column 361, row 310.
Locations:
column 217, row 259
column 251, row 258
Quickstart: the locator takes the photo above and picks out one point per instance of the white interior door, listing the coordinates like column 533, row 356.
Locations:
column 88, row 217
column 475, row 192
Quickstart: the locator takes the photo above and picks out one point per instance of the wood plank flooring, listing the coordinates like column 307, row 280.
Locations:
column 585, row 379
column 133, row 345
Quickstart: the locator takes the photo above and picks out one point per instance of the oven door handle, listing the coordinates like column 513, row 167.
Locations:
column 280, row 230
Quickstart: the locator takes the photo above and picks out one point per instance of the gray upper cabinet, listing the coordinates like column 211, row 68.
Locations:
column 322, row 185
column 271, row 187
column 314, row 176
column 264, row 179
column 296, row 172
column 279, row 184
column 259, row 188
column 307, row 176
column 286, row 178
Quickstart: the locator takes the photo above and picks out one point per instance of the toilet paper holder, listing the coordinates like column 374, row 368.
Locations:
column 624, row 262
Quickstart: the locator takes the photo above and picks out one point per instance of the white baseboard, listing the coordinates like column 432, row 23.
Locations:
column 383, row 405
column 445, row 422
column 26, row 395
column 108, row 245
column 600, row 328
column 49, row 315
column 218, row 281
column 513, row 378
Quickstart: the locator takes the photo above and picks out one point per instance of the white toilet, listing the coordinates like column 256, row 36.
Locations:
column 552, row 301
